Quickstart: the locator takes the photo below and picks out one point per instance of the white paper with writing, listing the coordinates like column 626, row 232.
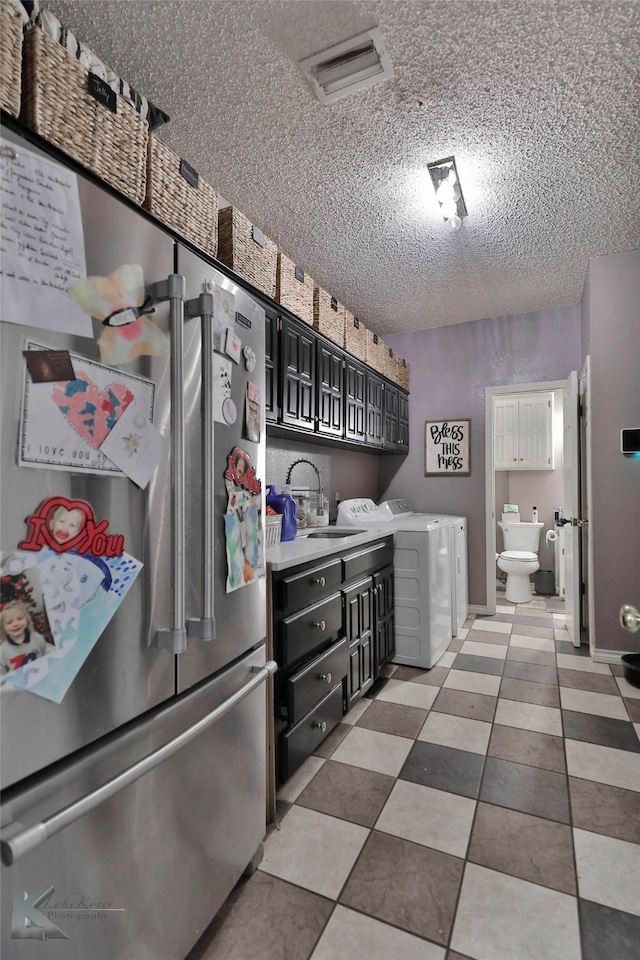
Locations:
column 42, row 245
column 222, row 373
column 135, row 445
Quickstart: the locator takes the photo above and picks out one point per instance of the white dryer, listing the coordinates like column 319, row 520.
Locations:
column 402, row 509
column 421, row 575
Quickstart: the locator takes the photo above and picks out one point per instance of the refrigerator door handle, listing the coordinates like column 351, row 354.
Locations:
column 202, row 306
column 172, row 289
column 15, row 847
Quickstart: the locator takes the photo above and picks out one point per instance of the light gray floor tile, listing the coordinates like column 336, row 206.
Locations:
column 431, row 817
column 372, row 750
column 410, row 694
column 458, row 732
column 608, row 871
column 352, row 934
column 590, row 761
column 529, row 716
column 601, row 704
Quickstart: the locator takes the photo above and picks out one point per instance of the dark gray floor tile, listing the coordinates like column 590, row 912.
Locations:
column 566, row 647
column 633, row 709
column 541, row 793
column 496, row 618
column 335, row 738
column 608, row 934
column 543, row 658
column 486, row 636
column 520, row 621
column 600, row 808
column 455, row 645
column 434, row 677
column 524, row 846
column 347, row 792
column 528, row 747
column 617, row 669
column 534, row 672
column 461, row 703
column 466, row 661
column 443, row 768
column 538, row 630
column 546, row 694
column 268, row 917
column 555, row 605
column 394, row 718
column 405, row 884
column 593, row 682
column 455, row 956
column 603, row 730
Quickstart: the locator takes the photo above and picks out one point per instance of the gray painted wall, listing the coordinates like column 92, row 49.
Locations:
column 450, row 368
column 611, row 325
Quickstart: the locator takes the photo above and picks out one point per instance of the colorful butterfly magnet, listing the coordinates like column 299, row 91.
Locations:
column 118, row 301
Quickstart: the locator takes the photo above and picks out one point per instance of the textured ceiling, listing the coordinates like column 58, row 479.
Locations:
column 538, row 101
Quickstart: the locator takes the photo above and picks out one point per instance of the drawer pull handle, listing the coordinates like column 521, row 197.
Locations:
column 322, row 726
column 319, row 581
column 320, row 625
column 325, row 676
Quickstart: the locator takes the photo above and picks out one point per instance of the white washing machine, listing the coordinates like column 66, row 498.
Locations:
column 401, row 509
column 421, row 576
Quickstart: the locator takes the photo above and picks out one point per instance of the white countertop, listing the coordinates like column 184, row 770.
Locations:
column 290, row 553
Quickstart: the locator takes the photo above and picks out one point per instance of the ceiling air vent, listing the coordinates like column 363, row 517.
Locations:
column 348, row 67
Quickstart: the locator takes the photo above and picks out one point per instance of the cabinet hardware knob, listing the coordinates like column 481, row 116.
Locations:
column 321, row 726
column 326, row 676
column 320, row 581
column 320, row 625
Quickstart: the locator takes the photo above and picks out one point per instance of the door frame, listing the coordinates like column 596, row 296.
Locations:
column 546, row 386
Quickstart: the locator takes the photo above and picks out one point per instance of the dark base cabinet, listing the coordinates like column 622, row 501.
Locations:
column 328, row 617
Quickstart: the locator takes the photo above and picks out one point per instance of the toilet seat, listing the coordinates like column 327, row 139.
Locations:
column 518, row 556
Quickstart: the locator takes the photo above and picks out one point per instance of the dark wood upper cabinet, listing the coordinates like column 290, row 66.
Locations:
column 330, row 397
column 355, row 401
column 298, row 372
column 390, row 417
column 374, row 409
column 271, row 366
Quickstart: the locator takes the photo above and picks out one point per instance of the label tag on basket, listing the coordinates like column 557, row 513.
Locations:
column 334, row 303
column 258, row 236
column 189, row 174
column 391, row 353
column 356, row 323
column 375, row 338
column 102, row 92
column 299, row 274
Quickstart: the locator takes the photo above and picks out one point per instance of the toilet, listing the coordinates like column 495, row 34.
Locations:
column 519, row 559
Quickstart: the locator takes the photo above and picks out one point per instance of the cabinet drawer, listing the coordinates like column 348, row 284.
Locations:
column 300, row 589
column 302, row 740
column 368, row 559
column 301, row 692
column 301, row 633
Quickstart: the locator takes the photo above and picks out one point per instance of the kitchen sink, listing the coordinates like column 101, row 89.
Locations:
column 330, row 534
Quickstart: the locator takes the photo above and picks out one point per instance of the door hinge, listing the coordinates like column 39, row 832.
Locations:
column 279, row 324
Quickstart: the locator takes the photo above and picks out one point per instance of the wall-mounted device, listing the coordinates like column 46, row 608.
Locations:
column 630, row 440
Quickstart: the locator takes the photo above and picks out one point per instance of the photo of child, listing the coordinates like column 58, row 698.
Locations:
column 66, row 524
column 20, row 642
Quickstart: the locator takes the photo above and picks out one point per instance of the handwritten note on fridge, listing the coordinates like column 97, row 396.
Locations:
column 42, row 242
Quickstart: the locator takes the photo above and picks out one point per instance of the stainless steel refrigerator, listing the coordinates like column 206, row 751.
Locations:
column 131, row 808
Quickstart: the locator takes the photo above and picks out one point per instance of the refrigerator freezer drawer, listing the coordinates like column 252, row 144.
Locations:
column 142, row 875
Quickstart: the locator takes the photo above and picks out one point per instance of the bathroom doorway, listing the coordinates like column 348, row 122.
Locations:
column 548, row 489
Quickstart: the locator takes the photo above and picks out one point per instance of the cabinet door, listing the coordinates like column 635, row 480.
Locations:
column 505, row 433
column 383, row 617
column 330, row 378
column 271, row 365
column 355, row 401
column 390, row 438
column 535, row 415
column 358, row 606
column 402, row 435
column 298, row 374
column 374, row 410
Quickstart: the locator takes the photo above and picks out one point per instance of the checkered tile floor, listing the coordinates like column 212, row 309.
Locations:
column 488, row 809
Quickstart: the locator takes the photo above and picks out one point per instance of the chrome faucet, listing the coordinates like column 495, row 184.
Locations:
column 319, row 491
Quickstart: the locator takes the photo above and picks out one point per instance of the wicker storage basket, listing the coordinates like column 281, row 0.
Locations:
column 355, row 336
column 294, row 289
column 328, row 316
column 402, row 373
column 273, row 529
column 56, row 103
column 390, row 366
column 189, row 209
column 10, row 58
column 376, row 352
column 246, row 250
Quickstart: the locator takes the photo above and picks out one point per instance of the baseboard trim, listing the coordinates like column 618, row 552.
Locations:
column 476, row 608
column 608, row 656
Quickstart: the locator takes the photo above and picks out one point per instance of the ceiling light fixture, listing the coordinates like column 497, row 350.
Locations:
column 446, row 184
column 349, row 66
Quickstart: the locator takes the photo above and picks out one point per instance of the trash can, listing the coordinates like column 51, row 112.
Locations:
column 545, row 583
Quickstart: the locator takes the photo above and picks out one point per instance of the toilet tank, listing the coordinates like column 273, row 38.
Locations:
column 521, row 536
